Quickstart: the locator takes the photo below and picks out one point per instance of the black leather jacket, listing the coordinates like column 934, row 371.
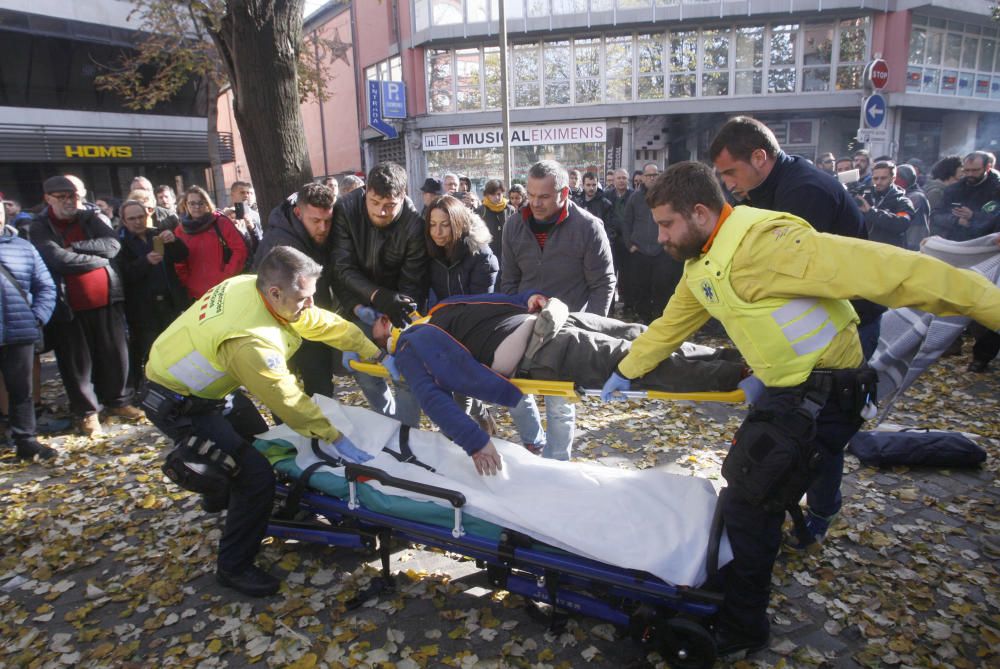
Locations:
column 889, row 217
column 366, row 258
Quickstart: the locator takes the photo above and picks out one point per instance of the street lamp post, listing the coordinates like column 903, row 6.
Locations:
column 504, row 105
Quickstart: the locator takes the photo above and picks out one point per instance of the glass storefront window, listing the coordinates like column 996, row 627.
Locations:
column 483, row 164
column 446, row 12
column 557, row 73
column 649, row 63
column 469, row 92
column 439, row 84
column 618, row 69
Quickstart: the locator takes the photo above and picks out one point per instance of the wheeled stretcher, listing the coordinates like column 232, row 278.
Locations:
column 437, row 502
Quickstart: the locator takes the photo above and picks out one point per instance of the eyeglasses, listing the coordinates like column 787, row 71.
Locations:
column 197, row 204
column 65, row 197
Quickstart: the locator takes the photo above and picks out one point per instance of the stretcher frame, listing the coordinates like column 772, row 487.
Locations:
column 569, row 391
column 670, row 618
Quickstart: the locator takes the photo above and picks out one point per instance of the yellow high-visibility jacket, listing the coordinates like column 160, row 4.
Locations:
column 229, row 338
column 778, row 261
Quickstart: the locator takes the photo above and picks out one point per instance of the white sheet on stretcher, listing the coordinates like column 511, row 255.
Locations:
column 649, row 520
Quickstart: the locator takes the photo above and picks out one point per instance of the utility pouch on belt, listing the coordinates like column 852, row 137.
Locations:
column 772, row 459
column 160, row 403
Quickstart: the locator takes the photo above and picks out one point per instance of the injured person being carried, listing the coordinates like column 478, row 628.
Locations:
column 472, row 345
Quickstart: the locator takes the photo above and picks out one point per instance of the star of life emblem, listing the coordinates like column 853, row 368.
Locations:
column 709, row 292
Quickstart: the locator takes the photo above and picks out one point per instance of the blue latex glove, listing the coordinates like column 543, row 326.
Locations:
column 346, row 359
column 615, row 383
column 348, row 451
column 389, row 362
column 366, row 315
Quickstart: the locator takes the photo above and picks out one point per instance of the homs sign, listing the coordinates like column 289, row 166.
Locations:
column 520, row 135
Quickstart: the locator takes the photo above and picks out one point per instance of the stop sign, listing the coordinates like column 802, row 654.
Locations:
column 878, row 74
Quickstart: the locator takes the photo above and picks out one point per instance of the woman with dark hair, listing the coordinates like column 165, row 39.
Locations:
column 462, row 263
column 494, row 211
column 517, row 196
column 458, row 240
column 216, row 250
column 154, row 296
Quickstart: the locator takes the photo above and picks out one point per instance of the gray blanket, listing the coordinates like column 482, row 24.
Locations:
column 912, row 340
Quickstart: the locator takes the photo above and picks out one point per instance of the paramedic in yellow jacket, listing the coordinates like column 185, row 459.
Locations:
column 780, row 289
column 240, row 334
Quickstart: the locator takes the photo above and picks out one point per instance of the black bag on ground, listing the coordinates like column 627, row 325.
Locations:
column 920, row 447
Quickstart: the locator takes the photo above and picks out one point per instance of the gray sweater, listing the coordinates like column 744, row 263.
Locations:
column 575, row 265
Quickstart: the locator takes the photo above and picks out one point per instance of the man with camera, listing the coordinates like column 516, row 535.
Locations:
column 886, row 208
column 241, row 333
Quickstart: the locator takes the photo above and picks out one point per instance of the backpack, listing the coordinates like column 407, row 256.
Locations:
column 917, row 446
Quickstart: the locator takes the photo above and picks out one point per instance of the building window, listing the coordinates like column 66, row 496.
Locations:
column 649, row 66
column 525, row 75
column 852, row 53
column 558, row 65
column 949, row 58
column 724, row 61
column 817, row 57
column 618, row 69
column 491, row 62
column 683, row 63
column 446, row 12
column 781, row 59
column 468, row 80
column 587, row 58
column 439, row 80
column 715, row 62
column 749, row 60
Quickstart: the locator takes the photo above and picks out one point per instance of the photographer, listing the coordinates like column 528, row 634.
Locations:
column 885, row 207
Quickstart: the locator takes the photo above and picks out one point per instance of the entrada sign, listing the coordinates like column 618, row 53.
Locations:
column 96, row 151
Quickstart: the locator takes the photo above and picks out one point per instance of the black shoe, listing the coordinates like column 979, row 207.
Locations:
column 252, row 581
column 978, row 366
column 29, row 448
column 728, row 643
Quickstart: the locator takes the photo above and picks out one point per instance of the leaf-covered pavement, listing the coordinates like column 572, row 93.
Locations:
column 105, row 564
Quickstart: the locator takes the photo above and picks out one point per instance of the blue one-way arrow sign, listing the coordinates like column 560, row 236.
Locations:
column 375, row 119
column 874, row 111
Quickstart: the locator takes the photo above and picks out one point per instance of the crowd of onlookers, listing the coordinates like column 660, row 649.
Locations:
column 100, row 280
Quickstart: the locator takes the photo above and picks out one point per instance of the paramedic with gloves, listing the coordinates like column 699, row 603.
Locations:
column 780, row 289
column 241, row 333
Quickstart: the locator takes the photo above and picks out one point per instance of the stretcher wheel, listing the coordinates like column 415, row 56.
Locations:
column 685, row 644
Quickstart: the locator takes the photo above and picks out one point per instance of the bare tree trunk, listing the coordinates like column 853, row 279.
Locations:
column 214, row 157
column 259, row 40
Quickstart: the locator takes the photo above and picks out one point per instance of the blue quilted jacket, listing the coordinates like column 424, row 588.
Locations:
column 20, row 323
